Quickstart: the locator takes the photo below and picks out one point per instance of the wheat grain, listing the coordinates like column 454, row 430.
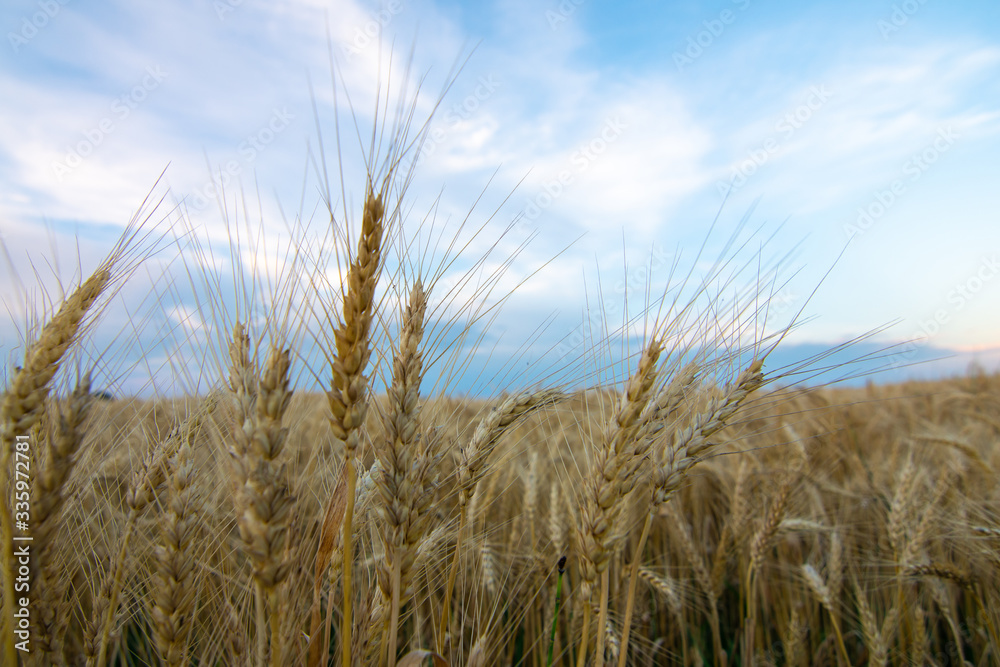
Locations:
column 348, row 394
column 692, row 444
column 24, row 405
column 263, row 498
column 48, row 497
column 175, row 586
column 408, row 458
column 615, row 469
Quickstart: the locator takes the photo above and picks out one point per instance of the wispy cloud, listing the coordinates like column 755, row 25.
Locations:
column 595, row 138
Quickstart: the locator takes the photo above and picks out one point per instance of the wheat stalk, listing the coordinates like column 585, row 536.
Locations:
column 348, row 394
column 142, row 491
column 407, row 459
column 531, row 496
column 820, row 589
column 612, row 477
column 330, row 539
column 23, row 407
column 702, row 576
column 48, row 499
column 761, row 544
column 472, row 465
column 557, row 532
column 794, row 636
column 731, row 531
column 174, row 584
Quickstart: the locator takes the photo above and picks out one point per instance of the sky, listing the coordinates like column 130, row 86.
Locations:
column 842, row 153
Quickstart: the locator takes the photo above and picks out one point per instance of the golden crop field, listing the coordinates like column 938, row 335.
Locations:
column 698, row 512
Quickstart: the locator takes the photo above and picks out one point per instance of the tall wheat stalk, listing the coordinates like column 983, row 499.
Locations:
column 613, row 476
column 23, row 407
column 263, row 498
column 407, row 456
column 682, row 451
column 48, row 500
column 348, row 395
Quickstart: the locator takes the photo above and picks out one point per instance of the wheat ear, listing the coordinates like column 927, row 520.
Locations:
column 264, row 501
column 666, row 587
column 174, row 586
column 876, row 639
column 692, row 444
column 23, row 407
column 407, row 460
column 613, row 476
column 472, row 465
column 348, row 394
column 46, row 509
column 142, row 491
column 822, row 593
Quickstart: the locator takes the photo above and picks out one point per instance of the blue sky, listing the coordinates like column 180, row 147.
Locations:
column 866, row 131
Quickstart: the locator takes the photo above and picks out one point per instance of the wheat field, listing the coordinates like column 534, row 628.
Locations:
column 701, row 510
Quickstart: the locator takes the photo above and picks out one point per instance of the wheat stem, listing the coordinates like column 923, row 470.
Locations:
column 613, row 477
column 633, row 582
column 473, row 459
column 23, row 407
column 348, row 395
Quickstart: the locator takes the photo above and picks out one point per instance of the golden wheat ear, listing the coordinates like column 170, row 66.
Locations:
column 407, row 458
column 47, row 503
column 348, row 395
column 616, row 466
column 24, row 400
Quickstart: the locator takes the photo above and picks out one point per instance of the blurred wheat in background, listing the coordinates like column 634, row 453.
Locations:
column 698, row 510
